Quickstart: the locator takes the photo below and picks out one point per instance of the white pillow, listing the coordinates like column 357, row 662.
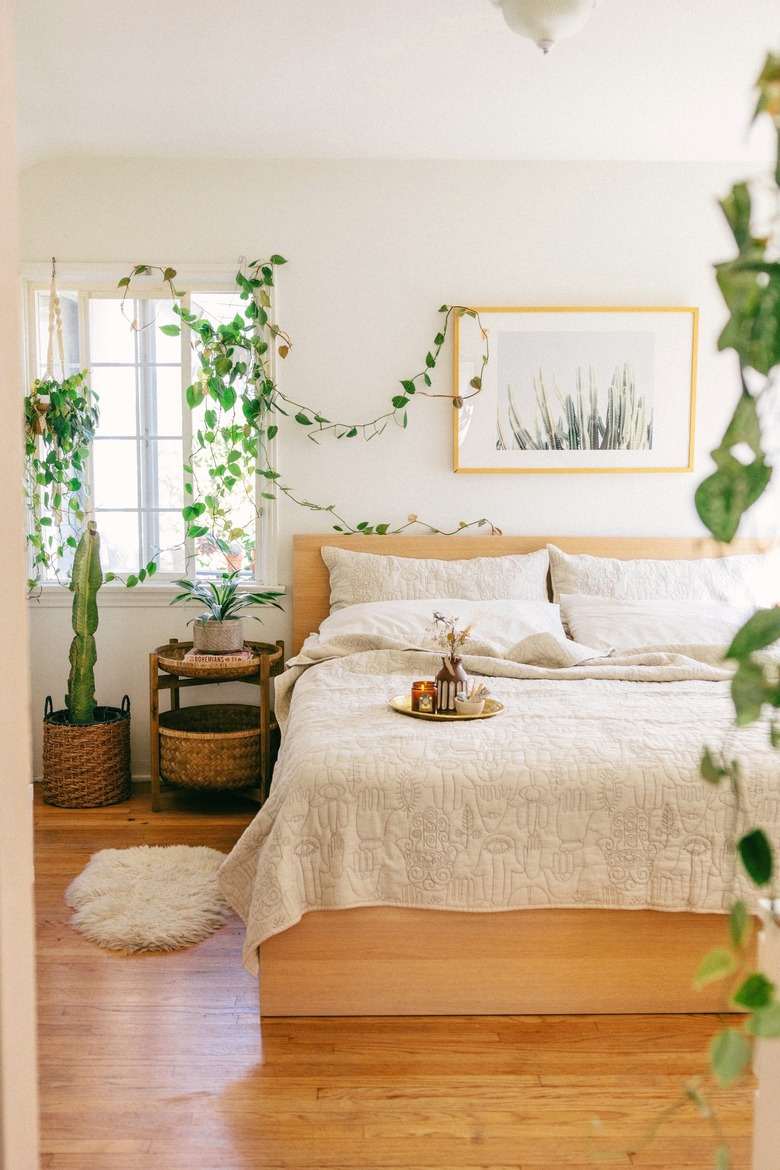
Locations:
column 357, row 577
column 498, row 626
column 740, row 580
column 606, row 623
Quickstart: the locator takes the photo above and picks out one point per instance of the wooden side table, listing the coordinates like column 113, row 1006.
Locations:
column 176, row 674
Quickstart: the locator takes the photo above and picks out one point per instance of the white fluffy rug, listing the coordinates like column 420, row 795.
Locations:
column 148, row 897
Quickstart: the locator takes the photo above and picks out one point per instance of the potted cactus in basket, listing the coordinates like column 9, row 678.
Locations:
column 86, row 748
column 219, row 629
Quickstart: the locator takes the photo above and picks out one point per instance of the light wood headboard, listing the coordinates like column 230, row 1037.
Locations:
column 311, row 585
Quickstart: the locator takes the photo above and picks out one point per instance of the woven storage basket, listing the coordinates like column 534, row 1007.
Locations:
column 211, row 746
column 86, row 767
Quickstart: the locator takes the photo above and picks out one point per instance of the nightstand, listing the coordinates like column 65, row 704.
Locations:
column 213, row 747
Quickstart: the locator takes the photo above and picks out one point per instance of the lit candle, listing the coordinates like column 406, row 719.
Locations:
column 424, row 696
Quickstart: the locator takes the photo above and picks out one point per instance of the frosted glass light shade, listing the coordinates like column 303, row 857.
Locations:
column 546, row 21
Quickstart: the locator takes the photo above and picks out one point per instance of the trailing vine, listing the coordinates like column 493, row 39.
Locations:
column 60, row 419
column 236, row 401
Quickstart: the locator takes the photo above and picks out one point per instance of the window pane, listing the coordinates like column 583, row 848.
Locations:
column 168, row 401
column 171, row 528
column 218, row 307
column 111, row 337
column 118, row 541
column 165, row 349
column 115, row 386
column 168, row 454
column 115, row 473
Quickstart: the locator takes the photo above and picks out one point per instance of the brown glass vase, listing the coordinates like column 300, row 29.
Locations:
column 450, row 680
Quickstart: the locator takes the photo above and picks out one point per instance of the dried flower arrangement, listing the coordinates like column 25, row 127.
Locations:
column 447, row 636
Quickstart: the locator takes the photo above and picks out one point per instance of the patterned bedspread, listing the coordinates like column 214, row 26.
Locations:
column 584, row 792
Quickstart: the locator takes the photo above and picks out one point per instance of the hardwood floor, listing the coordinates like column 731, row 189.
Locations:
column 159, row 1062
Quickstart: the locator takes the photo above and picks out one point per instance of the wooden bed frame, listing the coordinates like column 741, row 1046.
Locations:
column 386, row 961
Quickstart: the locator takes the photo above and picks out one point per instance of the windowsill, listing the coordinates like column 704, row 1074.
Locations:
column 148, row 595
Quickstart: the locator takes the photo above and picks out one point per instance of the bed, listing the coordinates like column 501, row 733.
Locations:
column 371, row 885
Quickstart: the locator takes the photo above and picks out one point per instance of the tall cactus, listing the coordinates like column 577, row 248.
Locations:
column 87, row 577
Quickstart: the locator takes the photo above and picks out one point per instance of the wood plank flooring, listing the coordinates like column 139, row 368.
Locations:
column 160, row 1062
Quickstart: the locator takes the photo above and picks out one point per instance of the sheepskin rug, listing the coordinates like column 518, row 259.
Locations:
column 148, row 897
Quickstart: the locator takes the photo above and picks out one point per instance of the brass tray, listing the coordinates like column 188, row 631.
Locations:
column 171, row 660
column 403, row 703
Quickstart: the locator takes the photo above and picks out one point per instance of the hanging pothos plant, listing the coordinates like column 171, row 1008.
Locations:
column 237, row 405
column 750, row 284
column 60, row 420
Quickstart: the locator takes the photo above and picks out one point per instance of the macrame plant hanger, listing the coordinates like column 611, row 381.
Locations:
column 55, row 330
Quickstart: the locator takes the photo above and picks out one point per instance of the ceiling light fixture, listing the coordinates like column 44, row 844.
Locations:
column 546, row 21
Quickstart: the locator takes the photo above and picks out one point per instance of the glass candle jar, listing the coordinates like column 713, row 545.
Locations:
column 424, row 696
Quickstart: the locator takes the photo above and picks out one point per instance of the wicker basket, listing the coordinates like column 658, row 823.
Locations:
column 86, row 766
column 211, row 746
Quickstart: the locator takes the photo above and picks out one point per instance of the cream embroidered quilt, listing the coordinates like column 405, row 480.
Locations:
column 584, row 792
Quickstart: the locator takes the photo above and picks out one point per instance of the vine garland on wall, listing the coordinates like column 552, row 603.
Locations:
column 236, row 401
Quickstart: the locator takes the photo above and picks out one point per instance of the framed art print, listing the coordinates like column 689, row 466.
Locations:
column 576, row 390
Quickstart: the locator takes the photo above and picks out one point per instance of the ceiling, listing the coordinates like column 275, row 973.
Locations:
column 645, row 79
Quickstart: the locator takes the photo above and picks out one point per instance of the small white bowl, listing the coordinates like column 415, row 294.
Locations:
column 469, row 706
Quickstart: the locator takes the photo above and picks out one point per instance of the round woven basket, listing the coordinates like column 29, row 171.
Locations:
column 87, row 766
column 211, row 746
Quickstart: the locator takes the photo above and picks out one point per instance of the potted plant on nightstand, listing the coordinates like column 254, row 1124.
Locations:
column 219, row 629
column 86, row 748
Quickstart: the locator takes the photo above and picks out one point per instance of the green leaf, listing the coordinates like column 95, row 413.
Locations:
column 276, row 259
column 408, row 385
column 170, row 330
column 722, row 499
column 729, row 1055
column 430, row 361
column 273, row 430
column 715, row 965
column 740, row 924
column 399, row 402
column 710, row 770
column 736, row 208
column 756, row 854
column 124, row 282
column 131, row 581
column 754, row 992
column 765, row 1022
column 762, row 629
column 723, row 1159
column 751, row 289
column 302, row 419
column 748, row 691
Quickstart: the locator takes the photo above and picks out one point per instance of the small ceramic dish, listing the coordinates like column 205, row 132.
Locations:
column 469, row 706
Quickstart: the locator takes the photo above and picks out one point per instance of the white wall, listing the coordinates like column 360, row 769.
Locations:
column 18, row 1075
column 374, row 248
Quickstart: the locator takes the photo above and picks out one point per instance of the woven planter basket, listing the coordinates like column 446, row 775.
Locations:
column 211, row 746
column 89, row 766
column 213, row 637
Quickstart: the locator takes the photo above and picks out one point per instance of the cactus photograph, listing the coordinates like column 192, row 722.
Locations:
column 577, row 390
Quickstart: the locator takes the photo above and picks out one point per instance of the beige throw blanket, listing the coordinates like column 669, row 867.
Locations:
column 584, row 792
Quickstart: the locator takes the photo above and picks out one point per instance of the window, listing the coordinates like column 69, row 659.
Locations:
column 143, row 443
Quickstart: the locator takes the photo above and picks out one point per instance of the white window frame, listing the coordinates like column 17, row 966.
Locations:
column 88, row 281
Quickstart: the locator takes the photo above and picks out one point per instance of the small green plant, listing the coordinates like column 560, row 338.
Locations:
column 221, row 599
column 87, row 577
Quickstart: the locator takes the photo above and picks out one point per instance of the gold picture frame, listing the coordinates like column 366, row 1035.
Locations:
column 576, row 390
